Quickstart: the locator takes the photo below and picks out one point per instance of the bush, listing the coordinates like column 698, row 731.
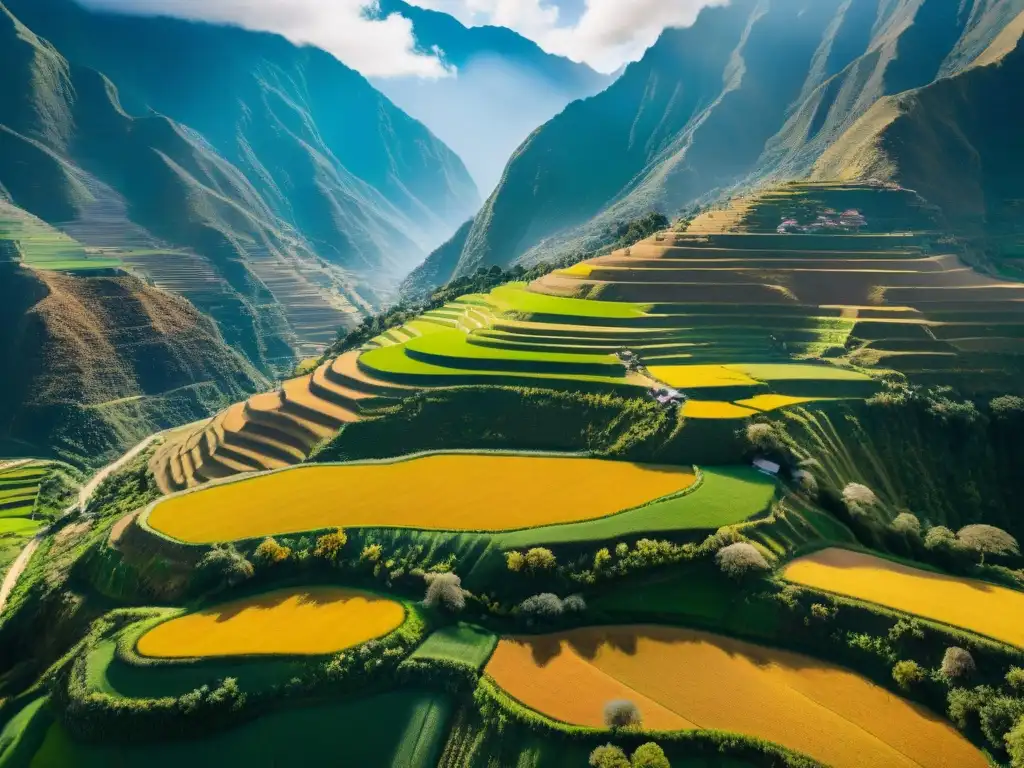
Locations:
column 544, row 606
column 1015, row 744
column 987, row 540
column 998, row 718
column 906, row 523
column 515, row 561
column 957, row 664
column 223, row 567
column 608, row 756
column 940, row 538
column 907, row 674
column 1007, row 407
column 806, row 481
column 741, row 560
column 1015, row 679
column 269, row 552
column 650, row 755
column 445, row 590
column 621, row 713
column 329, row 546
column 372, row 553
column 540, row 559
column 859, row 499
column 574, row 604
column 762, row 436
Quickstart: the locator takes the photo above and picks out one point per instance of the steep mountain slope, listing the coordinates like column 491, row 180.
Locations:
column 296, row 191
column 503, row 88
column 96, row 363
column 753, row 91
column 956, row 141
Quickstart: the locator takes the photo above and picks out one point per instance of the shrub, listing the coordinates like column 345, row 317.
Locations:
column 806, row 481
column 1007, row 406
column 515, row 561
column 445, row 590
column 608, row 756
column 650, row 755
column 908, row 673
column 329, row 546
column 621, row 713
column 372, row 553
column 269, row 552
column 602, row 558
column 987, row 540
column 998, row 717
column 223, row 567
column 574, row 604
column 741, row 560
column 762, row 437
column 1015, row 744
column 957, row 664
column 545, row 606
column 906, row 523
column 939, row 538
column 859, row 499
column 540, row 559
column 1015, row 679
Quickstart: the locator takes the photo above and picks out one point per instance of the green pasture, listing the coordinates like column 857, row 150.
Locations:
column 798, row 526
column 402, row 729
column 725, row 496
column 462, row 642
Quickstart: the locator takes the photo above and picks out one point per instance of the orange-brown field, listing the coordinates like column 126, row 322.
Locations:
column 687, row 679
column 972, row 605
column 465, row 492
column 297, row 621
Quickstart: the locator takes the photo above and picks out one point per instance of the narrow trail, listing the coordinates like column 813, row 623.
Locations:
column 86, row 492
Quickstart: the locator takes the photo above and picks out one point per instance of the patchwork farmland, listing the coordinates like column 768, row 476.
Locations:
column 383, row 542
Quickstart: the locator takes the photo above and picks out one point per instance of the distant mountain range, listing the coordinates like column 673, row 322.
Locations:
column 753, row 91
column 505, row 86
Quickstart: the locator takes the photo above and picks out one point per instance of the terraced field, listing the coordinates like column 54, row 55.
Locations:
column 685, row 679
column 308, row 620
column 19, row 487
column 972, row 605
column 453, row 492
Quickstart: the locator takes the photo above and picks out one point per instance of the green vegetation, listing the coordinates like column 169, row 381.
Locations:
column 462, row 643
column 32, row 495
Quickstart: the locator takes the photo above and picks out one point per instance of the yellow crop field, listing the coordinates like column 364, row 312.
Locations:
column 973, row 605
column 714, row 409
column 296, row 621
column 682, row 679
column 684, row 376
column 773, row 402
column 468, row 492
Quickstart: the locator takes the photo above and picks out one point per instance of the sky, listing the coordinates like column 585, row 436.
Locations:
column 603, row 33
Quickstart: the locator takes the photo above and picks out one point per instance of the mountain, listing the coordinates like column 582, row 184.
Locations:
column 503, row 87
column 957, row 142
column 266, row 182
column 752, row 92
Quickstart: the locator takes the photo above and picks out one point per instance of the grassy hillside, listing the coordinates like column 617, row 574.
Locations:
column 748, row 92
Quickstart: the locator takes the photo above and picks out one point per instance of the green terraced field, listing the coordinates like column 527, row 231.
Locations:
column 462, row 642
column 405, row 728
column 515, row 298
column 43, row 247
column 725, row 496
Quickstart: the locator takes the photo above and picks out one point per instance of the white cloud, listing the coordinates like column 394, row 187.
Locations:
column 374, row 47
column 608, row 34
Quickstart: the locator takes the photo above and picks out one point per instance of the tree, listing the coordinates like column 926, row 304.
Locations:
column 987, row 540
column 544, row 606
column 906, row 523
column 608, row 756
column 574, row 604
column 329, row 546
column 999, row 716
column 762, row 437
column 907, row 674
column 957, row 664
column 621, row 713
column 1015, row 744
column 269, row 552
column 372, row 553
column 806, row 481
column 859, row 498
column 741, row 560
column 223, row 567
column 1015, row 679
column 602, row 558
column 940, row 538
column 445, row 590
column 540, row 559
column 515, row 561
column 650, row 755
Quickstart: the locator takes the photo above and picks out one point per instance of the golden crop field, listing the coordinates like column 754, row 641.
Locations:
column 444, row 492
column 773, row 402
column 684, row 678
column 689, row 376
column 715, row 409
column 973, row 605
column 294, row 621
